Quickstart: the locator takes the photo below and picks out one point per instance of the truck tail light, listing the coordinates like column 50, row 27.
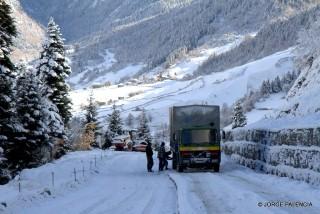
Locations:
column 215, row 154
column 186, row 154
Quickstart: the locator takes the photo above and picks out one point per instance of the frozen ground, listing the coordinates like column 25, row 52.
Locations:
column 120, row 184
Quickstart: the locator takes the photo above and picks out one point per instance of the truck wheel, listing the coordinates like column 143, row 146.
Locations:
column 174, row 161
column 180, row 168
column 216, row 167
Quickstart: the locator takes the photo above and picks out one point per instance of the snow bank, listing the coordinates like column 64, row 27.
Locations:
column 37, row 184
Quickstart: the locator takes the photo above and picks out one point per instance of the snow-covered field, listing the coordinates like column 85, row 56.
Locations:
column 120, row 184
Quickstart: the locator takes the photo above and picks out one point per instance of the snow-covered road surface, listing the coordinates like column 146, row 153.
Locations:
column 237, row 189
column 121, row 185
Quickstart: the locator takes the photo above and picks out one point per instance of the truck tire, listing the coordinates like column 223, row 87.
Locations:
column 179, row 165
column 174, row 161
column 216, row 167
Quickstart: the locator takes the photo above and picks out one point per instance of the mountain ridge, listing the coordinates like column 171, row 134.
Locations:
column 149, row 31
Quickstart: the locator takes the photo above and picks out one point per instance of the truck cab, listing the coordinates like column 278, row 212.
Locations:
column 195, row 139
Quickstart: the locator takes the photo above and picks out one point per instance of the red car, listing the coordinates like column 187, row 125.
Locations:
column 141, row 147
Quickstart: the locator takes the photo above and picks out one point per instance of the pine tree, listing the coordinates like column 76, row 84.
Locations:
column 143, row 129
column 130, row 120
column 107, row 140
column 91, row 118
column 4, row 172
column 31, row 111
column 9, row 125
column 265, row 89
column 276, row 85
column 53, row 119
column 7, row 32
column 269, row 87
column 53, row 70
column 91, row 110
column 115, row 123
column 239, row 118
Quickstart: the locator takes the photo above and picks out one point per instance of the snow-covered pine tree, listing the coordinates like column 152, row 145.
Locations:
column 7, row 32
column 276, row 85
column 31, row 110
column 265, row 88
column 53, row 120
column 91, row 110
column 130, row 120
column 9, row 125
column 115, row 123
column 4, row 172
column 54, row 123
column 269, row 87
column 107, row 140
column 53, row 69
column 91, row 118
column 239, row 118
column 143, row 129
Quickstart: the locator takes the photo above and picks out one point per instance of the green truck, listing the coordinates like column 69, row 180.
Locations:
column 195, row 137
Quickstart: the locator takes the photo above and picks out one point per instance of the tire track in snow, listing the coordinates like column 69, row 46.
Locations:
column 211, row 203
column 188, row 201
column 176, row 188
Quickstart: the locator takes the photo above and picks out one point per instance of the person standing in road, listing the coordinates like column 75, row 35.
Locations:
column 149, row 154
column 161, row 156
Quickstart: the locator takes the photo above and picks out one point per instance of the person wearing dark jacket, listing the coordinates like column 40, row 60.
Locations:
column 149, row 154
column 161, row 156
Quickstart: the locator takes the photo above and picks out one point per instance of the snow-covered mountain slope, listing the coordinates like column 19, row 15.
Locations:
column 147, row 32
column 82, row 18
column 216, row 88
column 302, row 109
column 180, row 68
column 303, row 96
column 30, row 34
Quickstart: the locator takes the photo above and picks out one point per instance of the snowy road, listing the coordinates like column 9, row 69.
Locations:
column 123, row 186
column 237, row 189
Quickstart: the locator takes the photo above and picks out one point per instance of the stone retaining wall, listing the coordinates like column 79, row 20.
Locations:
column 291, row 153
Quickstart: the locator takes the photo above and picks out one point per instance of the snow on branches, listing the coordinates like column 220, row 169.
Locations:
column 53, row 68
